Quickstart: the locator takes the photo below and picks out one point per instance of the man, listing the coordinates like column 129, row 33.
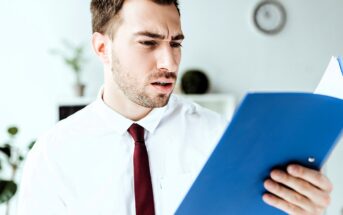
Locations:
column 137, row 148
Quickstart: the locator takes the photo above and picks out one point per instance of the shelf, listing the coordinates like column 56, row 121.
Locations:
column 223, row 104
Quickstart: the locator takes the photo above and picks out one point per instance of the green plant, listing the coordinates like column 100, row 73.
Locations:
column 11, row 156
column 73, row 57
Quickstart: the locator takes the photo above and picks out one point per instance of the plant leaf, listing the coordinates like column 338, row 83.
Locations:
column 31, row 144
column 6, row 150
column 7, row 190
column 12, row 130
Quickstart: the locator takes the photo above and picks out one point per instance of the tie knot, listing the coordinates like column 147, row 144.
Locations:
column 137, row 132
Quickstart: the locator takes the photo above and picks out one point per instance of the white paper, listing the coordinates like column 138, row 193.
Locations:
column 331, row 83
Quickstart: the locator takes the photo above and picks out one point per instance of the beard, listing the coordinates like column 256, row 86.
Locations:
column 136, row 92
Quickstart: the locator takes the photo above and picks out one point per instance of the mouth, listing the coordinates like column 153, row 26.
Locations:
column 162, row 86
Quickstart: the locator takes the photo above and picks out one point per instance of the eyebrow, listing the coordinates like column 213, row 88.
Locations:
column 158, row 36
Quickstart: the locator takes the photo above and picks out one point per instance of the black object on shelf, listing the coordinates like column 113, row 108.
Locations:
column 66, row 110
column 194, row 82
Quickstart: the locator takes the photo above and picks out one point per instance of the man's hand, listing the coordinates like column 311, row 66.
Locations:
column 298, row 191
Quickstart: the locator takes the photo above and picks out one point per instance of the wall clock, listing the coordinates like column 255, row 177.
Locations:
column 269, row 16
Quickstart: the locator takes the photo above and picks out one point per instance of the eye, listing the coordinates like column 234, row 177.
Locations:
column 148, row 43
column 175, row 45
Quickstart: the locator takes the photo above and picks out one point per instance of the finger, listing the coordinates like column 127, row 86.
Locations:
column 313, row 176
column 304, row 188
column 289, row 195
column 282, row 204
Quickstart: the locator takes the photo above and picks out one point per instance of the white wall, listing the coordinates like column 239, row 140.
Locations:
column 220, row 39
column 32, row 81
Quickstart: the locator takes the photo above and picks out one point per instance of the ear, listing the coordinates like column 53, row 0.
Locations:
column 102, row 46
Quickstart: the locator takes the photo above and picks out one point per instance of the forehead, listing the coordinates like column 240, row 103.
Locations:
column 146, row 15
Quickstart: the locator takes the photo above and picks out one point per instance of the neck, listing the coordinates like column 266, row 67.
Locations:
column 115, row 99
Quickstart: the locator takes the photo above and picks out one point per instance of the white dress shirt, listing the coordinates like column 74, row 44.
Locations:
column 84, row 165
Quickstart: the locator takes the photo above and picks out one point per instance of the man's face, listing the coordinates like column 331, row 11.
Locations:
column 146, row 52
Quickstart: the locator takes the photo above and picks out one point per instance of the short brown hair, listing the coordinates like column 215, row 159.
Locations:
column 104, row 11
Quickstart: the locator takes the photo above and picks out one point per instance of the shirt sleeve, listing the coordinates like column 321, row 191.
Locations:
column 40, row 190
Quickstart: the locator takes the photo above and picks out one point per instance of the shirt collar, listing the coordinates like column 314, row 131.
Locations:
column 119, row 123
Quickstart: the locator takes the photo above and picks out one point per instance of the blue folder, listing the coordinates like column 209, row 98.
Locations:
column 269, row 130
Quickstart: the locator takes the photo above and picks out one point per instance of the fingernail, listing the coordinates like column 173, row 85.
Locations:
column 292, row 169
column 276, row 174
column 268, row 184
column 268, row 199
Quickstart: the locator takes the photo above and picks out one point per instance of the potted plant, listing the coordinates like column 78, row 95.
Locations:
column 12, row 157
column 74, row 59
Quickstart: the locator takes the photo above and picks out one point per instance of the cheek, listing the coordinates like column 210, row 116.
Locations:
column 143, row 60
column 178, row 56
column 135, row 61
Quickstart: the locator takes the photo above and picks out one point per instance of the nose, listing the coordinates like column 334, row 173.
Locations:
column 168, row 59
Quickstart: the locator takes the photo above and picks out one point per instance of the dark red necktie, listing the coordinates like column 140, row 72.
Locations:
column 144, row 198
